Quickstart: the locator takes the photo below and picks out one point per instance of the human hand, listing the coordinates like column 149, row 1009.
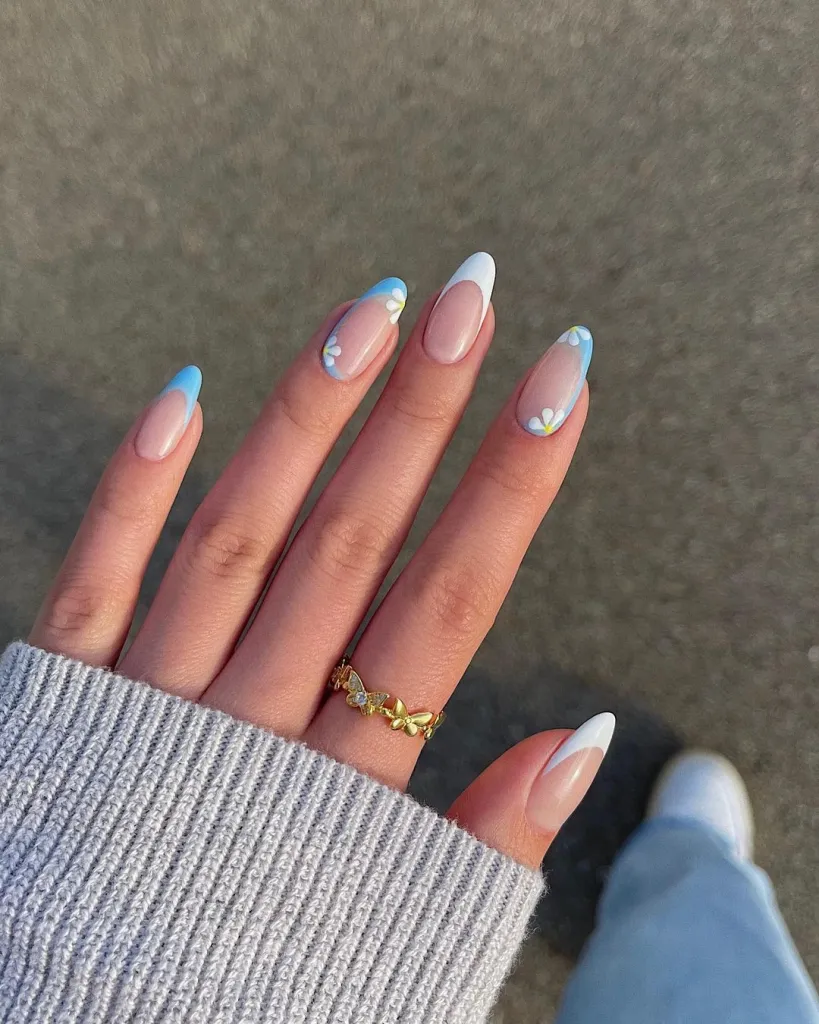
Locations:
column 424, row 634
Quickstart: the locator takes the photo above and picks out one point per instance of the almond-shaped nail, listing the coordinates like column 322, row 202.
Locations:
column 169, row 415
column 555, row 383
column 567, row 775
column 460, row 311
column 364, row 329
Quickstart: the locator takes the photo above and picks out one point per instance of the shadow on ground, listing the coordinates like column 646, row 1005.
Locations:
column 49, row 465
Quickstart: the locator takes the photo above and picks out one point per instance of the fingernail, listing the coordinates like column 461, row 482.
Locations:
column 364, row 329
column 569, row 772
column 460, row 311
column 555, row 383
column 169, row 415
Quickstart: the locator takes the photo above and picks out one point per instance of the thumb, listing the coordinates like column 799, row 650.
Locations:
column 521, row 801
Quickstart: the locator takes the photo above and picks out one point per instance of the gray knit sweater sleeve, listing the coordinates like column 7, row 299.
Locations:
column 163, row 862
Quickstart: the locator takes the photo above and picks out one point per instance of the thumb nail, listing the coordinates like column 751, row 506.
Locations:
column 568, row 774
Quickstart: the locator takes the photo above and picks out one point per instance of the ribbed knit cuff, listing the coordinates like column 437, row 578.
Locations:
column 163, row 862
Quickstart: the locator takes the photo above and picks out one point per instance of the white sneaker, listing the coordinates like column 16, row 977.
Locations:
column 702, row 787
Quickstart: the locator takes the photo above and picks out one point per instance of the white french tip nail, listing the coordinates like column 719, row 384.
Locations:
column 597, row 732
column 480, row 268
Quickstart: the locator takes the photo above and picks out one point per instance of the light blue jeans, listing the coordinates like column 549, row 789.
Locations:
column 687, row 934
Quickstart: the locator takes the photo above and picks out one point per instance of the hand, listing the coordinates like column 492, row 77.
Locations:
column 425, row 632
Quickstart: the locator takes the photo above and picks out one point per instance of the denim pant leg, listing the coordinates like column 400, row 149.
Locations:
column 687, row 934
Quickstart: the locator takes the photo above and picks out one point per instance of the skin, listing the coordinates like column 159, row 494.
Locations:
column 426, row 630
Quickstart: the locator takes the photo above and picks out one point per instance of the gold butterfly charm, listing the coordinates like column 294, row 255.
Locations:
column 359, row 697
column 431, row 729
column 411, row 724
column 344, row 677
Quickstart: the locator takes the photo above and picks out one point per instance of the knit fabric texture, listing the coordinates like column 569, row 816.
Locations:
column 163, row 862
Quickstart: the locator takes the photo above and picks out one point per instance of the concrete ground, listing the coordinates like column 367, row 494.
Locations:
column 199, row 180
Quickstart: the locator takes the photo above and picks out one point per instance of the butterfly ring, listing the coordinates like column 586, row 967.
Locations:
column 423, row 723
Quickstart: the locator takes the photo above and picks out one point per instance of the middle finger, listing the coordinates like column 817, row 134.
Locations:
column 426, row 631
column 337, row 562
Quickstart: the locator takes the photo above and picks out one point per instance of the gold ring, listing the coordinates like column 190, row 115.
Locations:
column 423, row 723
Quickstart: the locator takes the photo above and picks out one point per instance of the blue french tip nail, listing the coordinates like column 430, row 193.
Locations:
column 356, row 340
column 388, row 286
column 189, row 382
column 556, row 382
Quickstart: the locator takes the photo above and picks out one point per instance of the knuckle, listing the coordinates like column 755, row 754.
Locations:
column 309, row 418
column 225, row 547
column 116, row 502
column 500, row 470
column 411, row 405
column 78, row 611
column 458, row 602
column 343, row 542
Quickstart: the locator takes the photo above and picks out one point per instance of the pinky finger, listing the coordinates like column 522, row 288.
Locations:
column 88, row 611
column 522, row 800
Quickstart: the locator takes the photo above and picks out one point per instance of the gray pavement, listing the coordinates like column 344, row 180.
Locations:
column 200, row 180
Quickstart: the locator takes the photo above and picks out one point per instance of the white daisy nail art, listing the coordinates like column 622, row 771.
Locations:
column 555, row 383
column 363, row 330
column 548, row 421
column 575, row 336
column 331, row 350
column 395, row 304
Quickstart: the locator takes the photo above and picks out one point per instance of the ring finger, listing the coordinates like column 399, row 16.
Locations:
column 426, row 631
column 346, row 546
